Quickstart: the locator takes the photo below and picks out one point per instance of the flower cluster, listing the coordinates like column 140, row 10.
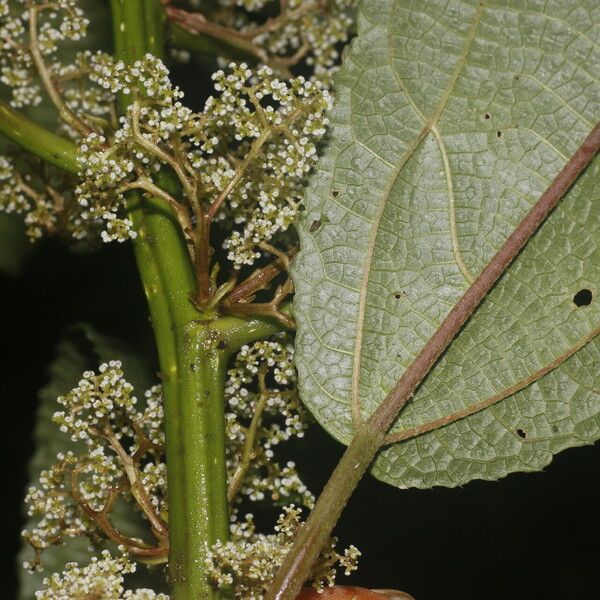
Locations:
column 96, row 195
column 32, row 190
column 151, row 419
column 82, row 96
column 247, row 153
column 60, row 20
column 249, row 561
column 109, row 167
column 99, row 400
column 58, row 517
column 261, row 417
column 125, row 446
column 307, row 32
column 102, row 578
column 274, row 128
column 30, row 31
column 125, row 450
column 12, row 197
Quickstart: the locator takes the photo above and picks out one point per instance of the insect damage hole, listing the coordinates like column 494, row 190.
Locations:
column 583, row 297
column 315, row 225
column 521, row 433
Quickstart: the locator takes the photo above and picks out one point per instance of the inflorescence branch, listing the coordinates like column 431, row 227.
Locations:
column 122, row 458
column 74, row 15
column 243, row 158
column 305, row 32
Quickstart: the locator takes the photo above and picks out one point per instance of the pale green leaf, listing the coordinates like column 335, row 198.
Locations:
column 82, row 349
column 451, row 119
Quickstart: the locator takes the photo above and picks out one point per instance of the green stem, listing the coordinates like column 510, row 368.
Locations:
column 38, row 140
column 193, row 376
column 201, row 495
column 236, row 332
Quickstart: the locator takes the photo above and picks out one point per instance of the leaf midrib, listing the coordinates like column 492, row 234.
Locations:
column 363, row 289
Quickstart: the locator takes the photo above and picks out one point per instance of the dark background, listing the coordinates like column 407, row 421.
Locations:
column 529, row 536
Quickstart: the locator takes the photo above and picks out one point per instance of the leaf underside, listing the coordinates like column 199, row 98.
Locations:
column 451, row 119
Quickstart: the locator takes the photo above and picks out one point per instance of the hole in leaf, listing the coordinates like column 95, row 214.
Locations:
column 399, row 295
column 583, row 297
column 554, row 428
column 315, row 225
column 521, row 433
column 498, row 133
column 487, row 116
column 335, row 193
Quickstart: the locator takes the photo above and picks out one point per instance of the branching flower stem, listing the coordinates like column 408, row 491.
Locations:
column 188, row 184
column 138, row 491
column 240, row 171
column 100, row 517
column 204, row 45
column 45, row 75
column 267, row 309
column 183, row 218
column 244, row 291
column 197, row 24
column 369, row 437
column 235, row 482
column 278, row 22
column 203, row 252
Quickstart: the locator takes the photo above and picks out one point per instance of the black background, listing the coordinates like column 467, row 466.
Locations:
column 528, row 536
